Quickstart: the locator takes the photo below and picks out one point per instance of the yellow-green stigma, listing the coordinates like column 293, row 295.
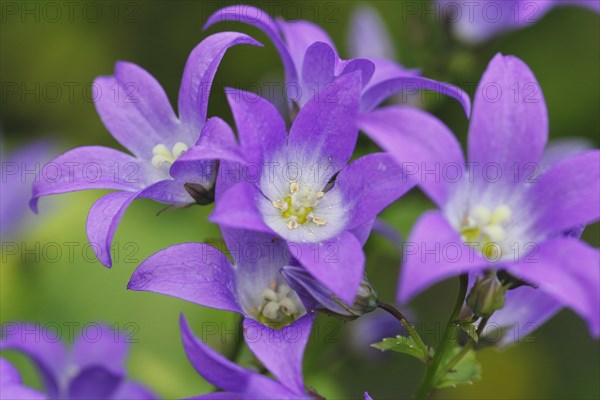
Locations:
column 279, row 308
column 298, row 207
column 484, row 229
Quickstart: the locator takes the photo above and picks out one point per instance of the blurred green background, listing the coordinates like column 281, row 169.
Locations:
column 40, row 53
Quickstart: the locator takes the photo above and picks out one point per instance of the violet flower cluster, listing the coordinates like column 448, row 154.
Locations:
column 510, row 214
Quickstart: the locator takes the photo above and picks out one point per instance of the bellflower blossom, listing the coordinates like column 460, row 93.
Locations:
column 476, row 22
column 301, row 190
column 136, row 111
column 252, row 286
column 311, row 62
column 240, row 383
column 499, row 211
column 93, row 368
column 11, row 385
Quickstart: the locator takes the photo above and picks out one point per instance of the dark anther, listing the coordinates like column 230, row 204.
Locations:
column 200, row 194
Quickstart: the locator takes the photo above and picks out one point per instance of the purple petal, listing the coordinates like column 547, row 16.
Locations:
column 11, row 386
column 367, row 36
column 370, row 184
column 559, row 149
column 525, row 310
column 420, row 143
column 367, row 397
column 568, row 194
column 42, row 346
column 8, row 373
column 236, row 208
column 89, row 167
column 362, row 232
column 386, row 69
column 102, row 222
column 433, row 252
column 366, row 68
column 135, row 110
column 567, row 269
column 254, row 252
column 377, row 93
column 510, row 121
column 198, row 75
column 318, row 67
column 281, row 351
column 132, row 391
column 100, row 345
column 261, row 129
column 217, row 142
column 338, row 263
column 261, row 20
column 325, row 127
column 194, row 272
column 93, row 383
column 223, row 396
column 223, row 373
column 299, row 36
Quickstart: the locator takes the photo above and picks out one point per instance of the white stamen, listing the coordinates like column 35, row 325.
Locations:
column 495, row 233
column 271, row 310
column 179, row 149
column 287, row 307
column 280, row 205
column 480, row 215
column 293, row 224
column 319, row 221
column 269, row 294
column 294, row 186
column 501, row 214
column 162, row 157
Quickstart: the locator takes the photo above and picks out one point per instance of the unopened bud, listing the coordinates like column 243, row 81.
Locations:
column 200, row 194
column 364, row 302
column 487, row 295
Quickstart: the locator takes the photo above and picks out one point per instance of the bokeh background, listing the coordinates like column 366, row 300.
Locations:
column 44, row 281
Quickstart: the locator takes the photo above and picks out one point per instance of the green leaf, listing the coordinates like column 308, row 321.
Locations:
column 470, row 330
column 403, row 344
column 467, row 370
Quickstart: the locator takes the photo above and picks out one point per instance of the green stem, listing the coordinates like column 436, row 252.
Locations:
column 463, row 352
column 427, row 386
column 409, row 328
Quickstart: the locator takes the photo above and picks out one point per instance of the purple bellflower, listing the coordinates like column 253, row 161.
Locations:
column 476, row 22
column 239, row 383
column 252, row 286
column 94, row 368
column 301, row 189
column 311, row 62
column 276, row 322
column 136, row 111
column 11, row 385
column 499, row 211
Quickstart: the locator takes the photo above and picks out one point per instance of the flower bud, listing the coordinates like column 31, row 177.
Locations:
column 364, row 302
column 487, row 295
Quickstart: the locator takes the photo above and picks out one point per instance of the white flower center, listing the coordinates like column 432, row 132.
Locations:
column 298, row 207
column 163, row 157
column 485, row 229
column 280, row 306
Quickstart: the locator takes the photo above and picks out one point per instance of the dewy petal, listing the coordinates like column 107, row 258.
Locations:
column 567, row 194
column 433, row 252
column 132, row 391
column 525, row 310
column 421, row 144
column 263, row 21
column 103, row 218
column 89, row 167
column 325, row 127
column 260, row 127
column 338, row 263
column 135, row 110
column 45, row 350
column 223, row 373
column 281, row 351
column 567, row 269
column 370, row 184
column 509, row 126
column 367, row 36
column 101, row 345
column 194, row 272
column 376, row 93
column 198, row 75
column 236, row 208
column 94, row 382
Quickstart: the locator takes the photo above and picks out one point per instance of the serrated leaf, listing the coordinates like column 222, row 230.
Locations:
column 467, row 370
column 403, row 344
column 470, row 330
